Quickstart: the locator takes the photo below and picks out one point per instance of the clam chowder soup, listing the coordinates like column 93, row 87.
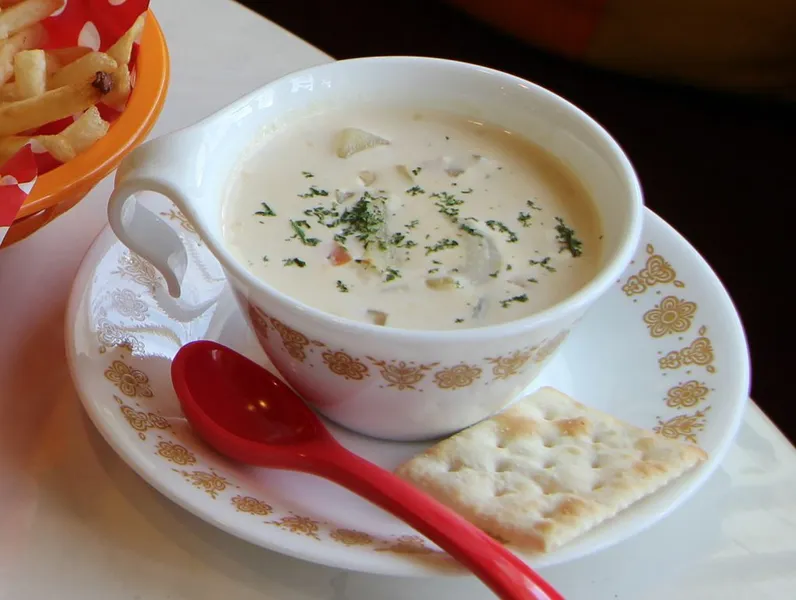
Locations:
column 411, row 219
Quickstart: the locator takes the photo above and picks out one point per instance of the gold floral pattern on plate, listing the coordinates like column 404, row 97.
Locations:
column 656, row 271
column 671, row 315
column 259, row 323
column 253, row 506
column 293, row 341
column 683, row 426
column 175, row 215
column 351, row 537
column 129, row 304
column 111, row 335
column 141, row 421
column 407, row 544
column 699, row 352
column 340, row 363
column 460, row 376
column 209, row 482
column 175, row 453
column 686, row 395
column 504, row 367
column 400, row 374
column 133, row 267
column 298, row 524
column 549, row 346
column 131, row 382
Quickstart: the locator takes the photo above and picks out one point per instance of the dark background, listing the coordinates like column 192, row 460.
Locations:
column 720, row 168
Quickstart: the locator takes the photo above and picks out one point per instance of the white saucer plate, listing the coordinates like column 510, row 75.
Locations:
column 663, row 349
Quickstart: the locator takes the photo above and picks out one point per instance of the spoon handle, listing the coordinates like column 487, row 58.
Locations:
column 509, row 577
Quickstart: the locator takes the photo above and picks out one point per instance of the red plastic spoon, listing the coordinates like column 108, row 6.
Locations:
column 246, row 413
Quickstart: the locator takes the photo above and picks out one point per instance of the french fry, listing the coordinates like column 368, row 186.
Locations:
column 117, row 97
column 26, row 39
column 26, row 13
column 89, row 128
column 64, row 56
column 76, row 138
column 16, row 117
column 30, row 73
column 9, row 93
column 9, row 146
column 82, row 69
column 123, row 47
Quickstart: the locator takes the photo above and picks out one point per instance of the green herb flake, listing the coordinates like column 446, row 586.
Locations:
column 294, row 262
column 413, row 224
column 307, row 174
column 532, row 205
column 468, row 229
column 314, row 191
column 458, row 320
column 341, row 287
column 567, row 240
column 532, row 280
column 521, row 298
column 443, row 244
column 298, row 228
column 501, row 227
column 365, row 221
column 544, row 263
column 494, row 275
column 265, row 259
column 467, row 191
column 416, row 171
column 266, row 211
column 415, row 190
column 392, row 274
column 525, row 219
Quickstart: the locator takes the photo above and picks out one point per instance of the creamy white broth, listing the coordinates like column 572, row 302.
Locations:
column 435, row 222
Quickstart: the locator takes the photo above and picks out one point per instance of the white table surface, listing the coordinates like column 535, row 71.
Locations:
column 77, row 523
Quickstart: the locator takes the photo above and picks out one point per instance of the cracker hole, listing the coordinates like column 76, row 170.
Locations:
column 549, row 464
column 548, row 443
column 595, row 463
column 501, row 443
column 503, row 467
column 503, row 492
column 455, row 466
column 597, row 486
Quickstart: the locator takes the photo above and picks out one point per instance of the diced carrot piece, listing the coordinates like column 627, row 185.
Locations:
column 339, row 256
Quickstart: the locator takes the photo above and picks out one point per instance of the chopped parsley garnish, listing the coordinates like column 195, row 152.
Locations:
column 325, row 216
column 544, row 263
column 532, row 205
column 458, row 320
column 467, row 191
column 314, row 191
column 499, row 226
column 443, row 244
column 532, row 280
column 365, row 221
column 434, row 270
column 307, row 174
column 266, row 211
column 294, row 262
column 298, row 228
column 521, row 298
column 399, row 241
column 436, row 262
column 416, row 171
column 509, row 267
column 341, row 286
column 567, row 240
column 525, row 219
column 447, row 204
column 415, row 190
column 494, row 275
column 413, row 224
column 392, row 274
column 265, row 259
column 470, row 230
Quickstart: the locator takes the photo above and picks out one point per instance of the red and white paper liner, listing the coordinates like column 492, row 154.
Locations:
column 95, row 24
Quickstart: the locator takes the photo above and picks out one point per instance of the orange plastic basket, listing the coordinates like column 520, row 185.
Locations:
column 59, row 190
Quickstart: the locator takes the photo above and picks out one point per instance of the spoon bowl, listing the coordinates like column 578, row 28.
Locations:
column 249, row 415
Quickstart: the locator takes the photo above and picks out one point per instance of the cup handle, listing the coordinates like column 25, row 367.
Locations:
column 164, row 165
